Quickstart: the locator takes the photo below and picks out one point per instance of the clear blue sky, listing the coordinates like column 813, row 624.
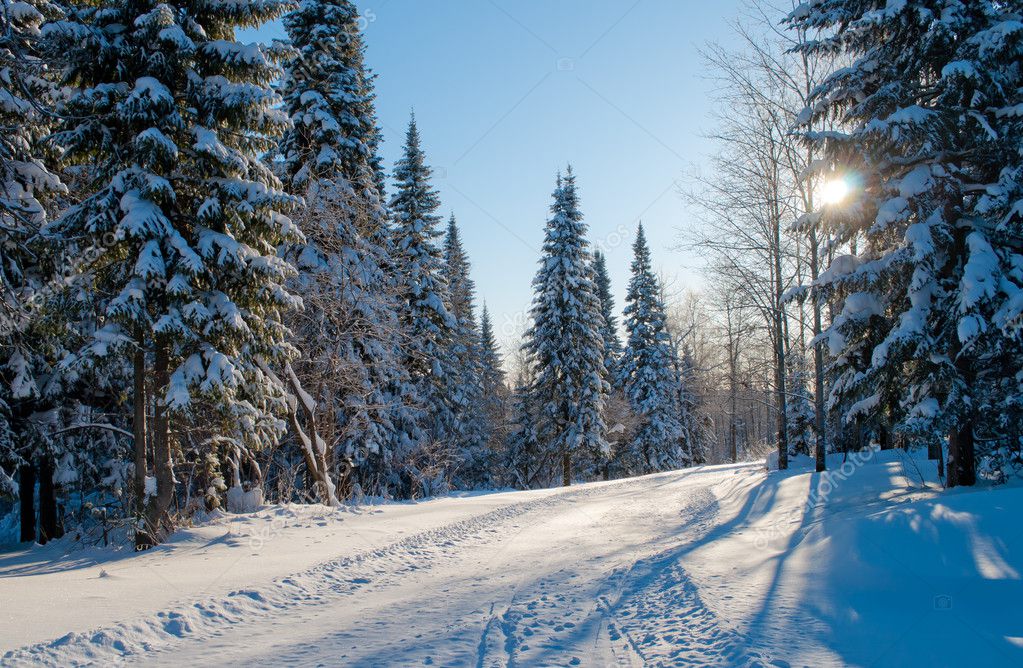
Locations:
column 507, row 93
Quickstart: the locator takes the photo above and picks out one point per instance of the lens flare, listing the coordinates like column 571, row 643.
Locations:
column 835, row 191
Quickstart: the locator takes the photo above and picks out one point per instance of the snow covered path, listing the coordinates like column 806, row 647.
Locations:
column 714, row 566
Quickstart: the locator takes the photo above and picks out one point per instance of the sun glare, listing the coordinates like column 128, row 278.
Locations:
column 835, row 191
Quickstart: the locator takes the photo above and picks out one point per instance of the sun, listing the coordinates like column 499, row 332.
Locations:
column 834, row 191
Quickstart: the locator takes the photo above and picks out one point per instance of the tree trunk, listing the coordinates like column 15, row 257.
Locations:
column 961, row 469
column 566, row 468
column 820, row 442
column 779, row 325
column 783, row 437
column 26, row 496
column 884, row 437
column 961, row 457
column 49, row 526
column 139, row 428
column 156, row 516
column 733, row 392
column 315, row 460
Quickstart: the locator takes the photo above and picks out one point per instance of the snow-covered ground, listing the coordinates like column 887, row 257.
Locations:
column 723, row 565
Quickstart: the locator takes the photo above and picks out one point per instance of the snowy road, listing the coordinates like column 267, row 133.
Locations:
column 536, row 583
column 706, row 567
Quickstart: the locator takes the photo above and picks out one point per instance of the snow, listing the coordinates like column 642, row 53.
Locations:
column 241, row 501
column 841, row 266
column 869, row 564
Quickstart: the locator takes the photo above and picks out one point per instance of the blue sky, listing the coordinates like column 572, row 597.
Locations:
column 507, row 93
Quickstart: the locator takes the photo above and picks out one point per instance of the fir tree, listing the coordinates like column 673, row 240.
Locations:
column 426, row 317
column 474, row 465
column 695, row 439
column 931, row 307
column 524, row 454
column 348, row 331
column 617, row 412
column 564, row 344
column 170, row 112
column 609, row 332
column 494, row 394
column 32, row 331
column 648, row 372
column 491, row 368
column 801, row 419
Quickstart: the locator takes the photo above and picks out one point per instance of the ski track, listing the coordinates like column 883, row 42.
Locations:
column 647, row 614
column 627, row 616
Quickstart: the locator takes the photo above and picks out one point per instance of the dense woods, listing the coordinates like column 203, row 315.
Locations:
column 214, row 295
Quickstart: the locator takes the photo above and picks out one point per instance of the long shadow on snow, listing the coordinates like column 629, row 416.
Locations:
column 934, row 582
column 650, row 572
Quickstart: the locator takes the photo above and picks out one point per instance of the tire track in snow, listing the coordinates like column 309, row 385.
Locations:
column 360, row 573
column 564, row 618
column 656, row 616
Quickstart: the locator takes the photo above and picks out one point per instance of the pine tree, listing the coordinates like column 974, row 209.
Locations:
column 524, row 460
column 348, row 331
column 648, row 372
column 801, row 419
column 494, row 395
column 169, row 112
column 696, row 436
column 31, row 331
column 426, row 317
column 617, row 412
column 564, row 344
column 609, row 332
column 492, row 371
column 474, row 464
column 931, row 302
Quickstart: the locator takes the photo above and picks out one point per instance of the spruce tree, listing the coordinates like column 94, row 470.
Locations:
column 695, row 439
column 426, row 319
column 609, row 332
column 647, row 372
column 617, row 412
column 801, row 419
column 928, row 329
column 494, row 395
column 170, row 112
column 491, row 368
column 564, row 343
column 474, row 467
column 348, row 330
column 31, row 328
column 524, row 455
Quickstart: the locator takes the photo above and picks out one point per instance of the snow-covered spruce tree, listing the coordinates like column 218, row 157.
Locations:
column 425, row 314
column 26, row 182
column 617, row 412
column 609, row 332
column 564, row 344
column 348, row 331
column 696, row 435
column 170, row 112
column 932, row 128
column 524, row 457
column 494, row 395
column 474, row 468
column 647, row 372
column 801, row 419
column 30, row 338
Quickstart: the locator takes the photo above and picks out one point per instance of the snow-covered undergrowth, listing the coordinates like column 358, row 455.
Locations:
column 870, row 565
